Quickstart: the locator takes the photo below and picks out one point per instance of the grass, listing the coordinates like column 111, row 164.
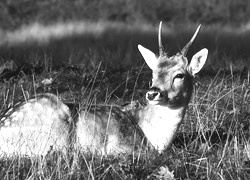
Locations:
column 212, row 143
column 100, row 61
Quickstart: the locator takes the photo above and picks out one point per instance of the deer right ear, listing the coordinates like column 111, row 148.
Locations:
column 149, row 57
column 197, row 62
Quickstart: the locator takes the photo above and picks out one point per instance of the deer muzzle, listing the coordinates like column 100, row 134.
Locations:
column 154, row 94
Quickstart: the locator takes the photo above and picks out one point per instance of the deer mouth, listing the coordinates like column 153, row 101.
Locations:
column 156, row 97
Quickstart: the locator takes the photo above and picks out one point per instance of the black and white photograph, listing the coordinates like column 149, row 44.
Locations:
column 124, row 89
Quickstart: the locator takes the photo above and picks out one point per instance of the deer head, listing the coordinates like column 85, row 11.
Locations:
column 172, row 78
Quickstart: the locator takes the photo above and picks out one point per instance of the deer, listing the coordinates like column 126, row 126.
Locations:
column 156, row 123
column 44, row 123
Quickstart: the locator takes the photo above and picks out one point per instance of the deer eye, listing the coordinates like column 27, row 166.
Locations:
column 181, row 76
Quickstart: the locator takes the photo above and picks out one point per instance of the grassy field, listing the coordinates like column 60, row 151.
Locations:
column 212, row 143
column 97, row 59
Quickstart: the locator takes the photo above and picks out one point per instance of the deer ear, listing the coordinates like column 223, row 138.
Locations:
column 149, row 57
column 197, row 62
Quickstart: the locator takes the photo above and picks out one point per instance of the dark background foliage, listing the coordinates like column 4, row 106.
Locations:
column 16, row 13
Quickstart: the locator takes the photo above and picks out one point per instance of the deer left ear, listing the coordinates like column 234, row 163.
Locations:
column 197, row 62
column 149, row 57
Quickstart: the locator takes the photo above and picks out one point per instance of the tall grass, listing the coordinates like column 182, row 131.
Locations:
column 99, row 62
column 212, row 143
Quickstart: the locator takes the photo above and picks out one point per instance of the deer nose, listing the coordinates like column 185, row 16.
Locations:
column 153, row 94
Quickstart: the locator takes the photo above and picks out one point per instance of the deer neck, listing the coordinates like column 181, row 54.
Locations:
column 159, row 124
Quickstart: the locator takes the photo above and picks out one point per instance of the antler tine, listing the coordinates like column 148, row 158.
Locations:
column 161, row 48
column 185, row 49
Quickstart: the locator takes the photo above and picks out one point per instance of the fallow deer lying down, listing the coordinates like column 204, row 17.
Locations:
column 44, row 123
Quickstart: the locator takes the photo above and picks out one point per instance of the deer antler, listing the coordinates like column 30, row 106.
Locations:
column 161, row 48
column 185, row 49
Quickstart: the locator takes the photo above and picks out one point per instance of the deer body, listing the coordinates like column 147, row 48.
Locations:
column 108, row 130
column 112, row 129
column 35, row 127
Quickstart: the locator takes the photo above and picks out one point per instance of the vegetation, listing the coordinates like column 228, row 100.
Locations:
column 98, row 60
column 211, row 144
column 14, row 14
